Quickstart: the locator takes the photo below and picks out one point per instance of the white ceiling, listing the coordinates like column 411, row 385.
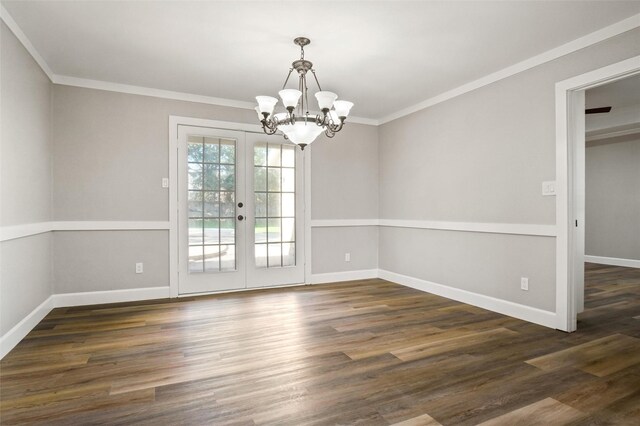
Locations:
column 384, row 56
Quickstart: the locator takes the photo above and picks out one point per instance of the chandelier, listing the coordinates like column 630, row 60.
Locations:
column 301, row 128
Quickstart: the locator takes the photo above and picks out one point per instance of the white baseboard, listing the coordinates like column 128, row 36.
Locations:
column 17, row 333
column 12, row 337
column 614, row 261
column 523, row 312
column 333, row 277
column 64, row 300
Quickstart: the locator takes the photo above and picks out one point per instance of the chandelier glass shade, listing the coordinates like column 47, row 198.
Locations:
column 297, row 124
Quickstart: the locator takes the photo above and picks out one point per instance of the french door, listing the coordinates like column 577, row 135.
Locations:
column 240, row 210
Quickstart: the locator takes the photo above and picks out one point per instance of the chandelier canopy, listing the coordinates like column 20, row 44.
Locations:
column 302, row 128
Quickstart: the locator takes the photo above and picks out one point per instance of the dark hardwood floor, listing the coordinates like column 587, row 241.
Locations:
column 366, row 352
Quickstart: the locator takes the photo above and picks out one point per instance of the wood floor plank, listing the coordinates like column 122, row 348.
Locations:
column 541, row 413
column 599, row 357
column 423, row 420
column 366, row 352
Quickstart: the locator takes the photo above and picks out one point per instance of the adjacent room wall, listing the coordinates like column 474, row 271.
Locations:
column 482, row 157
column 612, row 214
column 111, row 151
column 25, row 181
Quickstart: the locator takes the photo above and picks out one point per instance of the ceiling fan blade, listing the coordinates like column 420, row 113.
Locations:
column 597, row 110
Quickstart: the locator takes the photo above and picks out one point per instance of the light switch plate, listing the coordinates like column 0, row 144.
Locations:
column 549, row 187
column 165, row 182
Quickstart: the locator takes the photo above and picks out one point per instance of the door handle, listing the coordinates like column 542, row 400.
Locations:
column 240, row 217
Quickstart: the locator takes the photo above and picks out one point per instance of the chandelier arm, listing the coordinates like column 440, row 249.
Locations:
column 316, row 77
column 269, row 130
column 339, row 126
column 287, row 80
column 330, row 133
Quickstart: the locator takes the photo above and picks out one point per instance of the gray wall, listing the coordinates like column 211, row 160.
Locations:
column 25, row 180
column 344, row 185
column 110, row 153
column 612, row 215
column 481, row 157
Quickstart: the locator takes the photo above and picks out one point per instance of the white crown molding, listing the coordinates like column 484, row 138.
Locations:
column 22, row 37
column 580, row 43
column 565, row 49
column 614, row 261
column 492, row 228
column 148, row 91
column 516, row 310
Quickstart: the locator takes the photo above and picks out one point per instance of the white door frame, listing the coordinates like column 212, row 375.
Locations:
column 570, row 165
column 174, row 122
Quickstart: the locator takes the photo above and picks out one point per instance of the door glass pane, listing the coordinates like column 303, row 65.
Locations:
column 211, row 177
column 261, row 230
column 195, row 232
column 212, row 258
column 195, row 259
column 211, row 183
column 227, row 178
column 288, row 179
column 273, row 179
column 211, row 149
column 274, row 196
column 260, row 179
column 211, row 204
column 211, row 231
column 261, row 255
column 195, row 176
column 195, row 203
column 288, row 229
column 288, row 156
column 273, row 234
column 275, row 255
column 194, row 148
column 227, row 151
column 288, row 254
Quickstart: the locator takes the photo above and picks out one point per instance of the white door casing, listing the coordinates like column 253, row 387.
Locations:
column 246, row 274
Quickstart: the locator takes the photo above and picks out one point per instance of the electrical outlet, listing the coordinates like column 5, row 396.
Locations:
column 524, row 283
column 139, row 268
column 347, row 257
column 165, row 182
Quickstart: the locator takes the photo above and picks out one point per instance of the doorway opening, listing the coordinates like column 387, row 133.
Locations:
column 571, row 138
